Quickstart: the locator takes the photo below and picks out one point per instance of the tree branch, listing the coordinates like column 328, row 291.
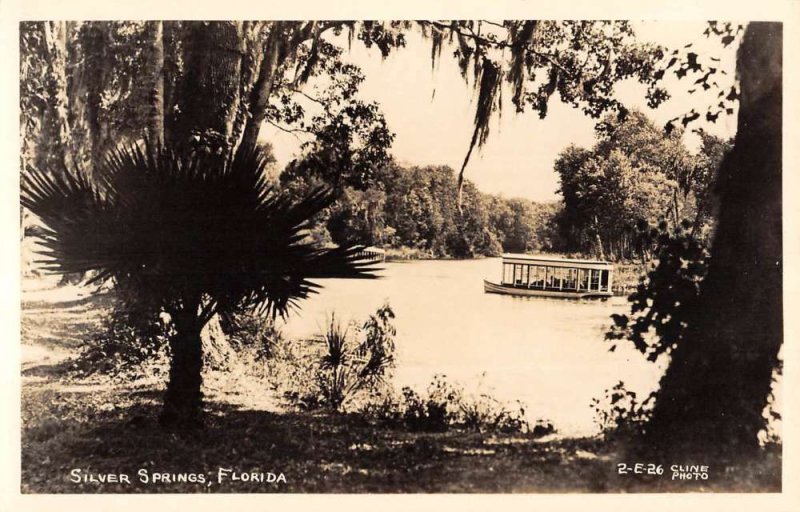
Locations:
column 315, row 100
column 498, row 44
column 293, row 131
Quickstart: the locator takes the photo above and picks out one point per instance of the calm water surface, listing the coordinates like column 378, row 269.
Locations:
column 548, row 353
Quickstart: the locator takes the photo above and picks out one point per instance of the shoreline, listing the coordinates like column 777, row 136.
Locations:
column 627, row 275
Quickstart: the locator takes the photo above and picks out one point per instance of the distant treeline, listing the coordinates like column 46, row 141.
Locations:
column 417, row 208
column 635, row 182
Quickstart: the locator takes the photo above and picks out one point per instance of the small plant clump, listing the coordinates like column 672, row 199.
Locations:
column 254, row 334
column 446, row 406
column 129, row 343
column 356, row 362
column 620, row 413
column 345, row 367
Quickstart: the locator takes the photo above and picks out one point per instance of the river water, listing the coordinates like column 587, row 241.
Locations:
column 548, row 353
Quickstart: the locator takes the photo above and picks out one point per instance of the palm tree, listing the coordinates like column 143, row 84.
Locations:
column 192, row 235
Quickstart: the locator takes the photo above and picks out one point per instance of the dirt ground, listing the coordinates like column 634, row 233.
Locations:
column 77, row 431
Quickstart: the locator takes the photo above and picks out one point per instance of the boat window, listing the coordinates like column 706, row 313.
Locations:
column 595, row 285
column 537, row 276
column 558, row 277
column 543, row 277
column 548, row 277
column 570, row 279
column 583, row 279
column 508, row 273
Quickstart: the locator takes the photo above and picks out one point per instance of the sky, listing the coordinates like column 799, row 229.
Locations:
column 431, row 112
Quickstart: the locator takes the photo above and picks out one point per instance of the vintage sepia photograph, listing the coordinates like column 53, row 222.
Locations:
column 369, row 256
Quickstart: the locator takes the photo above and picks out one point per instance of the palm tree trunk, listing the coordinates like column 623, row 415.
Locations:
column 183, row 399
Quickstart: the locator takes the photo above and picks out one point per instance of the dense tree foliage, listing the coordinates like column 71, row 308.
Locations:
column 524, row 226
column 87, row 86
column 417, row 208
column 633, row 178
column 663, row 303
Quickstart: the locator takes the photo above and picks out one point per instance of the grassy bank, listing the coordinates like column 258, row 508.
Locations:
column 99, row 424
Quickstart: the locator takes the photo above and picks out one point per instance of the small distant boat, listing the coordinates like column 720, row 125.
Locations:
column 543, row 276
column 372, row 254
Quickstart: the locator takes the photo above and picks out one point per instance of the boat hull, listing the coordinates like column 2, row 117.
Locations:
column 490, row 287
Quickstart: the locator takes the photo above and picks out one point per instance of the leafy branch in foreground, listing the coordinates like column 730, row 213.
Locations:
column 664, row 300
column 191, row 235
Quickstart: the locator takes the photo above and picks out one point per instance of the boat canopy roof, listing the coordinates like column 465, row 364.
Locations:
column 551, row 261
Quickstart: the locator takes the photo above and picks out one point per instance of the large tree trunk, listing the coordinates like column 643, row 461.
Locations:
column 96, row 42
column 56, row 132
column 281, row 47
column 55, row 153
column 155, row 63
column 173, row 41
column 253, row 45
column 77, row 82
column 208, row 96
column 262, row 89
column 719, row 379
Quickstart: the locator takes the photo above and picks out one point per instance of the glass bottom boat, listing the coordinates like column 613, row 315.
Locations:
column 543, row 276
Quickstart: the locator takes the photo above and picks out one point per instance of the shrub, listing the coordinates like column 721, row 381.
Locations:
column 356, row 362
column 127, row 341
column 620, row 414
column 447, row 406
column 253, row 333
column 436, row 412
column 346, row 365
column 291, row 374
